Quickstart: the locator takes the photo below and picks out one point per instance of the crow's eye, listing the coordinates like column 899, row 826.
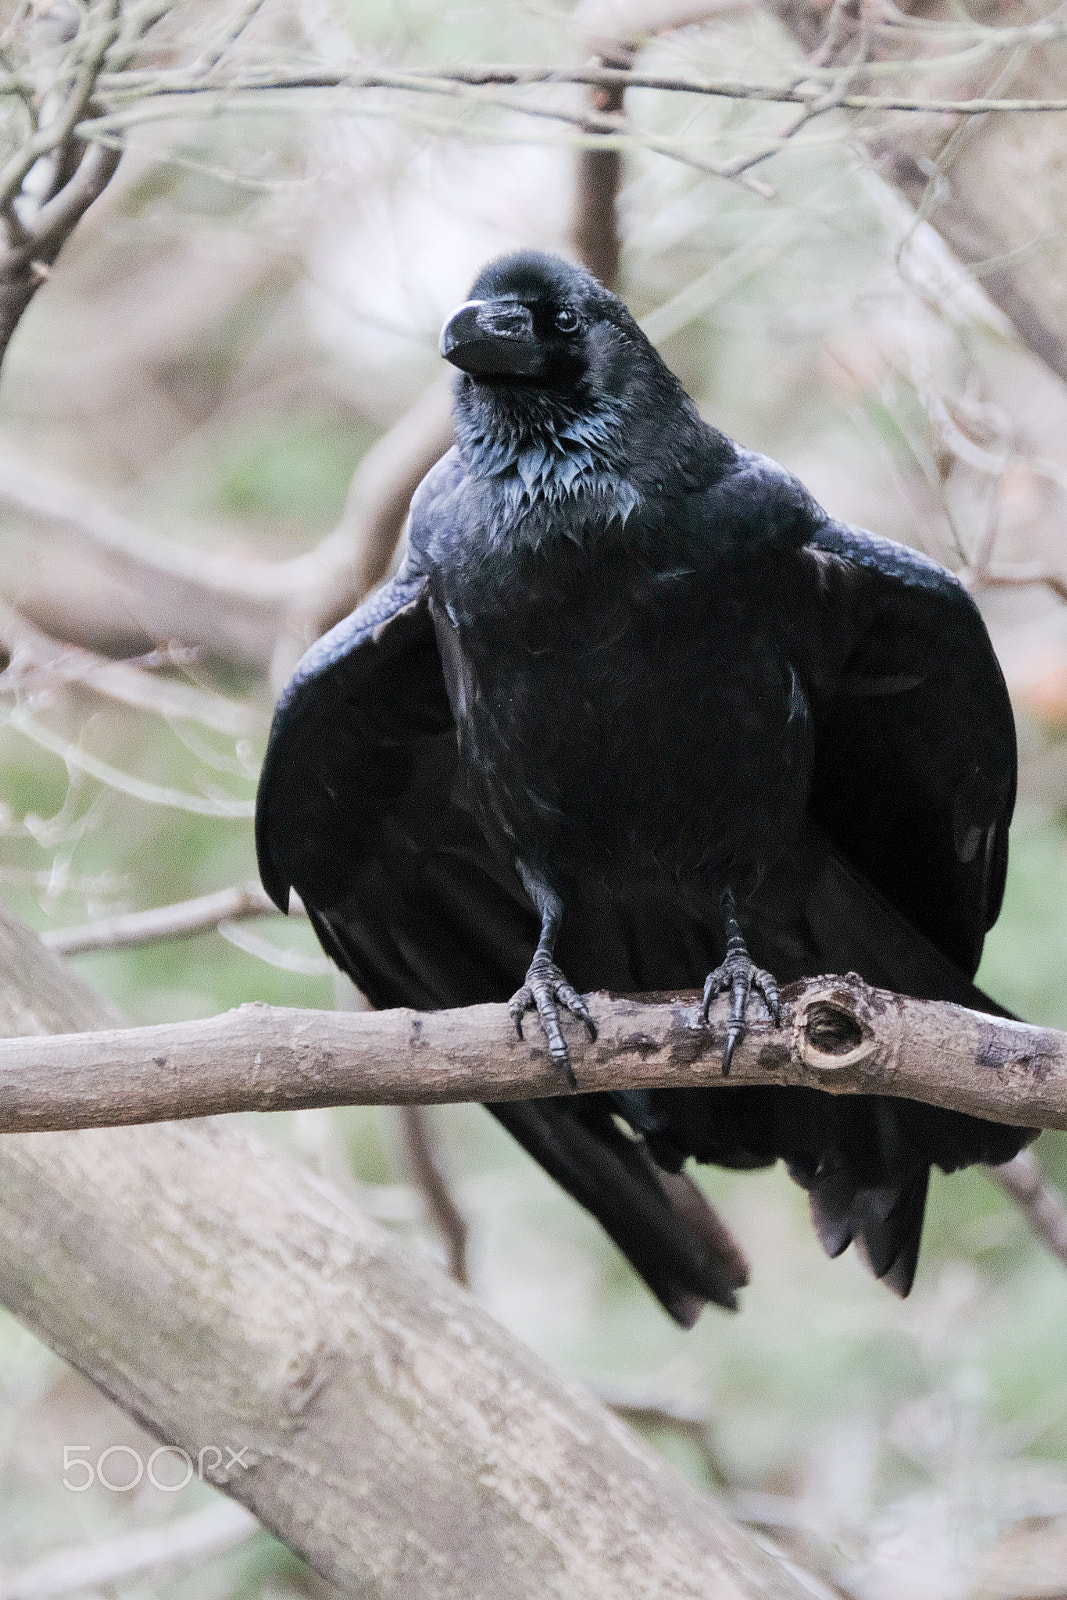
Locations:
column 567, row 320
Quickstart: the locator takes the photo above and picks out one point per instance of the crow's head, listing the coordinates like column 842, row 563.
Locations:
column 539, row 322
column 559, row 385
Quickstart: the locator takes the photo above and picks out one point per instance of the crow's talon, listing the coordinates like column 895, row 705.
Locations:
column 738, row 976
column 545, row 990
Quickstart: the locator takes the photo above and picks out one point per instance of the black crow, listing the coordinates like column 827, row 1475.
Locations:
column 635, row 703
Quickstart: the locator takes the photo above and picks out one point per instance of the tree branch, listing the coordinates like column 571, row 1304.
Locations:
column 34, row 657
column 139, row 585
column 995, row 192
column 614, row 33
column 1040, row 1202
column 129, row 928
column 1014, row 575
column 37, row 222
column 431, row 1183
column 445, row 82
column 837, row 1034
column 187, row 1542
column 647, row 1408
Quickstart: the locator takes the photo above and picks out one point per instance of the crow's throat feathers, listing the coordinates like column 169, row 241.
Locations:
column 543, row 451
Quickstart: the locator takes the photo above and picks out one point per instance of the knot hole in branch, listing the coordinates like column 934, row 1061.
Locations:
column 830, row 1031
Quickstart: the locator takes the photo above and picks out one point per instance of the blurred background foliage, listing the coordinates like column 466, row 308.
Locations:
column 252, row 304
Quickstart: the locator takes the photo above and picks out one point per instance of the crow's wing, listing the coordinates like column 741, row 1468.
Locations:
column 359, row 811
column 913, row 790
column 915, row 741
column 914, row 786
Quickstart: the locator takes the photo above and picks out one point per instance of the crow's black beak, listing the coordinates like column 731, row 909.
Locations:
column 492, row 339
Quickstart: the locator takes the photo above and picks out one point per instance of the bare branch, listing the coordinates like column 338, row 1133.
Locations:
column 614, row 33
column 98, row 33
column 34, row 657
column 1014, row 575
column 163, row 922
column 1039, row 1201
column 645, row 1407
column 432, row 1185
column 837, row 1034
column 237, row 609
column 183, row 1543
column 56, row 219
column 978, row 189
column 244, row 938
column 38, row 221
column 446, row 82
column 156, row 794
column 609, row 131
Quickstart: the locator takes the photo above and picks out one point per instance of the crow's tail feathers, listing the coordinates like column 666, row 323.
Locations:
column 660, row 1220
column 884, row 1221
column 869, row 1182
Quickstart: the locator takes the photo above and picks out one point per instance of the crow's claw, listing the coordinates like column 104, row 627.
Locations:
column 738, row 976
column 545, row 990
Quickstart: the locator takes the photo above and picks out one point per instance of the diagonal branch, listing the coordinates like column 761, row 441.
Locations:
column 1040, row 1202
column 236, row 609
column 432, row 1184
column 34, row 658
column 837, row 1034
column 130, row 928
column 185, row 1543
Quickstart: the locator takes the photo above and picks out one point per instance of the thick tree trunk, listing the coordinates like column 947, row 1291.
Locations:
column 364, row 1407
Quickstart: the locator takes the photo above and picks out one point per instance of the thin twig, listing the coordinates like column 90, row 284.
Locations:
column 641, row 1408
column 1040, row 1202
column 186, row 1542
column 1014, row 575
column 604, row 131
column 36, row 657
column 131, row 928
column 433, row 1186
column 243, row 938
column 156, row 794
column 163, row 85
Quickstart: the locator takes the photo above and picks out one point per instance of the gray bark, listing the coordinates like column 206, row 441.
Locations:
column 837, row 1034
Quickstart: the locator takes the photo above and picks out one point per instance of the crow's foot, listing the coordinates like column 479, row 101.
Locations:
column 545, row 990
column 738, row 976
